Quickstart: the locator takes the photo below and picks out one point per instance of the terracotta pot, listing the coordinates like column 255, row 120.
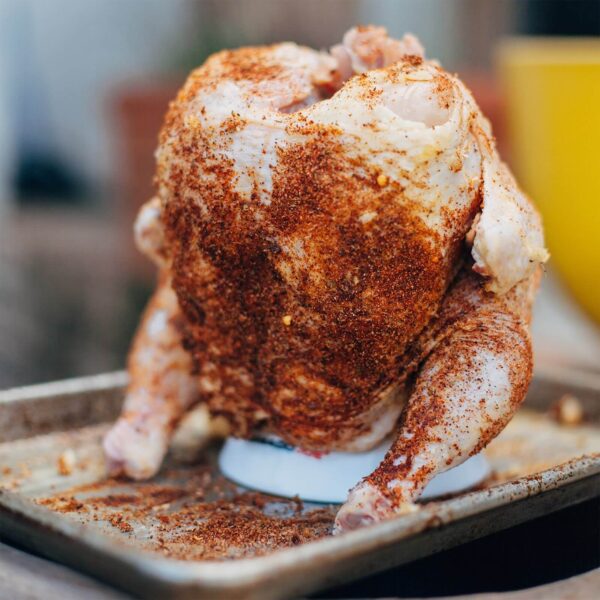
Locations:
column 138, row 111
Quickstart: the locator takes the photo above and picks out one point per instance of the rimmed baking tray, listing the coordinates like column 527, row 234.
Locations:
column 189, row 533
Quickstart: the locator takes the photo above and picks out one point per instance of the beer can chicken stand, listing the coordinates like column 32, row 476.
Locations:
column 343, row 257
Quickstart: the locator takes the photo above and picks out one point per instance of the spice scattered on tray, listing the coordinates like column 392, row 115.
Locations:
column 193, row 513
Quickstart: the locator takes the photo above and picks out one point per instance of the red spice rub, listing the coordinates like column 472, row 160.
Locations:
column 194, row 514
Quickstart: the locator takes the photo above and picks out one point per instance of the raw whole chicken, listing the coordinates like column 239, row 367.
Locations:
column 342, row 256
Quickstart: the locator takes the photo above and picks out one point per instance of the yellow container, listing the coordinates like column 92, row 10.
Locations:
column 552, row 90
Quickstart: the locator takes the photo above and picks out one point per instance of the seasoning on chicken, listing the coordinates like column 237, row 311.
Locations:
column 343, row 255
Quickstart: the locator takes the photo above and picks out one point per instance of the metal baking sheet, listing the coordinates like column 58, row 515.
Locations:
column 190, row 533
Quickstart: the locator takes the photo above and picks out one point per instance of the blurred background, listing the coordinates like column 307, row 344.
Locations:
column 83, row 88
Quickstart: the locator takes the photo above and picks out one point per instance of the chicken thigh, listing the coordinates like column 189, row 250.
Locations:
column 343, row 256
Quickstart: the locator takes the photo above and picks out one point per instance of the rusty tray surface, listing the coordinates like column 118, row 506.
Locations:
column 190, row 533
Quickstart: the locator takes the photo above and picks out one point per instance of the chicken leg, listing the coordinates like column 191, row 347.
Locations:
column 476, row 366
column 161, row 389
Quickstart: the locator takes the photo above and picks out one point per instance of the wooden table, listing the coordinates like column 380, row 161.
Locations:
column 27, row 577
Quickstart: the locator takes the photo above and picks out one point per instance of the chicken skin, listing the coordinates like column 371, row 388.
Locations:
column 342, row 256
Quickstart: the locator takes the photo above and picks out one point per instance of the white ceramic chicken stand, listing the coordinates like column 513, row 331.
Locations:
column 272, row 466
